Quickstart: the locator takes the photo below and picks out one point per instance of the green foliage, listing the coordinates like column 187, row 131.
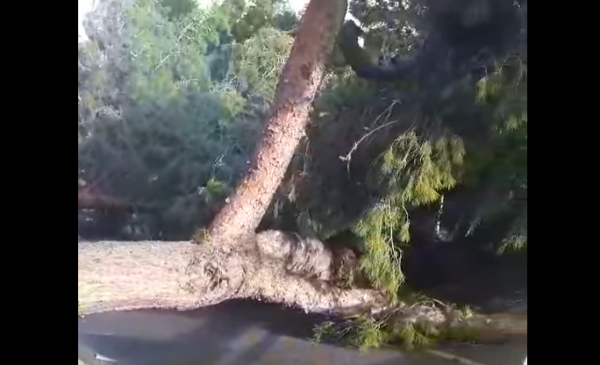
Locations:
column 252, row 17
column 414, row 335
column 368, row 332
column 397, row 148
column 170, row 108
column 172, row 99
column 343, row 90
column 414, row 172
column 364, row 332
column 501, row 164
column 323, row 331
column 179, row 8
column 258, row 62
column 162, row 141
column 249, row 17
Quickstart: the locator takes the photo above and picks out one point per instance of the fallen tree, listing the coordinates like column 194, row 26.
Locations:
column 278, row 267
column 234, row 262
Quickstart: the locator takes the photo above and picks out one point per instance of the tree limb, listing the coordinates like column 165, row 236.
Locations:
column 183, row 275
column 362, row 63
column 278, row 267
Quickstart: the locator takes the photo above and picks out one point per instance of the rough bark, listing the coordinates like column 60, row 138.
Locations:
column 183, row 275
column 282, row 268
column 272, row 266
column 282, row 132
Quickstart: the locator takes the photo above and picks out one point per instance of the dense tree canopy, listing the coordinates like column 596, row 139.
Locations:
column 425, row 127
column 453, row 124
column 164, row 123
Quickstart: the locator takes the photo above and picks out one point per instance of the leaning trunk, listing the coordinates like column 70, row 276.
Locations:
column 272, row 266
column 285, row 127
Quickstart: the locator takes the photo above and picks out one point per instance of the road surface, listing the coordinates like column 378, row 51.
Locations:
column 242, row 333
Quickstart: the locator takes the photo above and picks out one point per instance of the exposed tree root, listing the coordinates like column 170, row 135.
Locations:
column 276, row 267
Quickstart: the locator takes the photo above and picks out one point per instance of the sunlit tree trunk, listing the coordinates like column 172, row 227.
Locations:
column 273, row 266
column 277, row 266
column 283, row 130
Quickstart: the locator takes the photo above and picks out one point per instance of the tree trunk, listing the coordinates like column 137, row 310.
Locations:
column 278, row 267
column 281, row 268
column 282, row 132
column 272, row 265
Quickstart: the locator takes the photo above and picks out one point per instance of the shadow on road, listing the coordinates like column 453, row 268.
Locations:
column 236, row 332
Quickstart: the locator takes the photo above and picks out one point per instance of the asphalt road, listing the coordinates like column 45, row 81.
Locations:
column 242, row 333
